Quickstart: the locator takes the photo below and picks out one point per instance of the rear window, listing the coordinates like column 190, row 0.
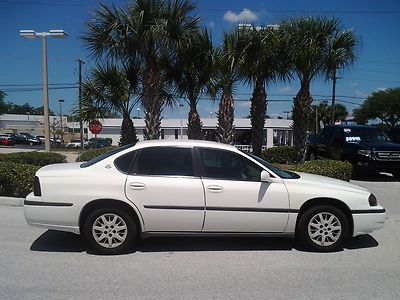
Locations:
column 104, row 156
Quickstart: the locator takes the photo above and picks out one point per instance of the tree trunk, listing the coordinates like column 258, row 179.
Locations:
column 301, row 114
column 225, row 129
column 194, row 124
column 257, row 113
column 332, row 121
column 128, row 131
column 153, row 102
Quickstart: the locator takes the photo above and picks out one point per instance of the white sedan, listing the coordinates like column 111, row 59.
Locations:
column 197, row 188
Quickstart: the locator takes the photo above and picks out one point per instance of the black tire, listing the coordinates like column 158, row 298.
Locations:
column 396, row 174
column 329, row 234
column 119, row 246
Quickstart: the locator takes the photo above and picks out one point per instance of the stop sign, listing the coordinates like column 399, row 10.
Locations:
column 95, row 127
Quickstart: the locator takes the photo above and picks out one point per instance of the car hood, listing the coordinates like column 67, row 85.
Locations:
column 312, row 180
column 63, row 169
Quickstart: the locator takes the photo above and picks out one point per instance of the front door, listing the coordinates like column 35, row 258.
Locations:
column 236, row 199
column 163, row 185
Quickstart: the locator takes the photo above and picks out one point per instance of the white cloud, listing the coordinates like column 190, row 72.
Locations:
column 285, row 89
column 360, row 93
column 246, row 15
column 380, row 89
column 354, row 84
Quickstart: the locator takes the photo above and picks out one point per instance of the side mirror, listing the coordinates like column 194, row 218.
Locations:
column 265, row 176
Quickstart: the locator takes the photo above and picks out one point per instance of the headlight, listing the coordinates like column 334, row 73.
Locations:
column 367, row 153
column 372, row 200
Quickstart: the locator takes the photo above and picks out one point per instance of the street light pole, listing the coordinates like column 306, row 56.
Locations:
column 181, row 111
column 61, row 120
column 31, row 34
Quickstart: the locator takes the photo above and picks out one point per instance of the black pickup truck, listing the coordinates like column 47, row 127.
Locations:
column 365, row 147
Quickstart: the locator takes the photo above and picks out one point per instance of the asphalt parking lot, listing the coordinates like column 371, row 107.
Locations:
column 41, row 264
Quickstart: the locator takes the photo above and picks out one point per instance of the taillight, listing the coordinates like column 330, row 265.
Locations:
column 372, row 200
column 36, row 187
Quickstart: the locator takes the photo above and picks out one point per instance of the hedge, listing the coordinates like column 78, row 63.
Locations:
column 33, row 158
column 331, row 168
column 16, row 180
column 279, row 155
column 90, row 154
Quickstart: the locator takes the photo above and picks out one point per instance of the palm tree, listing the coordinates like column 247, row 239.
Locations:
column 341, row 48
column 306, row 42
column 324, row 114
column 260, row 64
column 108, row 90
column 227, row 74
column 147, row 32
column 194, row 71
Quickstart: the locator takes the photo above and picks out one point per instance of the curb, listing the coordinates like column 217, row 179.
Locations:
column 10, row 201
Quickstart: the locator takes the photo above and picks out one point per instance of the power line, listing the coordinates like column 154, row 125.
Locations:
column 33, row 84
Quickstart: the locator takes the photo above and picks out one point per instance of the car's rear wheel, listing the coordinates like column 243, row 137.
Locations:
column 110, row 231
column 323, row 228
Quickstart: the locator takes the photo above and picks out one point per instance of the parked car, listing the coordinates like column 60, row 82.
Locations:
column 6, row 140
column 366, row 148
column 198, row 188
column 77, row 144
column 27, row 139
column 99, row 143
column 394, row 134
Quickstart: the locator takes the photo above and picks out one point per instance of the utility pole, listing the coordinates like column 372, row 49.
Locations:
column 334, row 78
column 80, row 62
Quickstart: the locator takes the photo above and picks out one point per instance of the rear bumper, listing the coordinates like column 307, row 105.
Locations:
column 367, row 221
column 51, row 215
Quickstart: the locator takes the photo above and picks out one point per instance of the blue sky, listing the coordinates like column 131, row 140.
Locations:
column 376, row 23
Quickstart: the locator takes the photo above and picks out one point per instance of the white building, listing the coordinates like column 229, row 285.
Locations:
column 276, row 131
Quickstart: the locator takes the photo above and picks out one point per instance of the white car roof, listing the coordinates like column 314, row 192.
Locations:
column 187, row 143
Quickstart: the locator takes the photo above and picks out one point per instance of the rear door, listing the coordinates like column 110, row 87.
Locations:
column 163, row 185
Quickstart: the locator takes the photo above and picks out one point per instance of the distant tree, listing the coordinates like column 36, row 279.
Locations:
column 3, row 105
column 260, row 65
column 193, row 76
column 324, row 113
column 106, row 90
column 382, row 105
column 227, row 75
column 40, row 111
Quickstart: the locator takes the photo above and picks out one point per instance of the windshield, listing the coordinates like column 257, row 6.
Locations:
column 366, row 135
column 281, row 173
column 104, row 156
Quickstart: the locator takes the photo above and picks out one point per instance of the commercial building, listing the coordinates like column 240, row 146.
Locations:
column 276, row 131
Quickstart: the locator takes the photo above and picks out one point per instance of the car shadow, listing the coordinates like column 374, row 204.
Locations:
column 375, row 177
column 57, row 241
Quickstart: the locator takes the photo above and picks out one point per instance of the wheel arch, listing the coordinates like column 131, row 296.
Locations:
column 327, row 201
column 105, row 203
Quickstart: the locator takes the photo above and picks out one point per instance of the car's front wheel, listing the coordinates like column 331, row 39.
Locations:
column 110, row 231
column 323, row 228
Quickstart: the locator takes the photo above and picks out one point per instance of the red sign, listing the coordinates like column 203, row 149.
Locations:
column 95, row 127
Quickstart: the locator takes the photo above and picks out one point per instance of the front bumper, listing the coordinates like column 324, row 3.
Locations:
column 367, row 221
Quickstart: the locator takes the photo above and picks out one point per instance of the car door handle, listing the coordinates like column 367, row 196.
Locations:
column 215, row 188
column 137, row 185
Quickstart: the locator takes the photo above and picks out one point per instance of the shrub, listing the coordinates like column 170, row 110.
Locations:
column 33, row 158
column 16, row 180
column 330, row 168
column 279, row 155
column 90, row 154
